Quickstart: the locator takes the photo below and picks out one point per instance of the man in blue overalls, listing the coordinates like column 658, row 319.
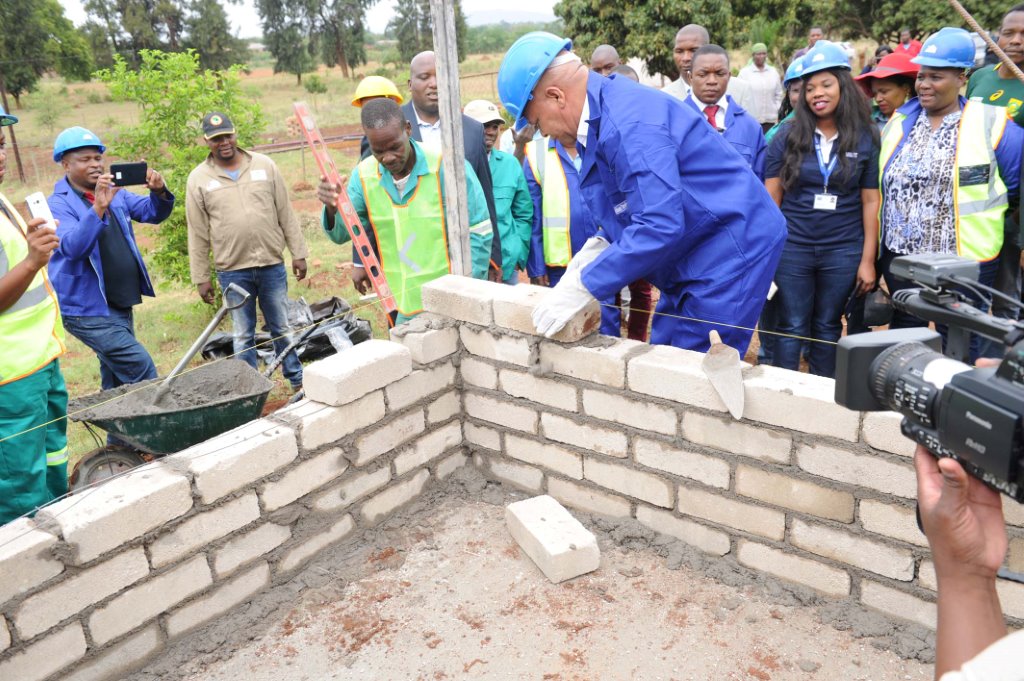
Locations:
column 677, row 205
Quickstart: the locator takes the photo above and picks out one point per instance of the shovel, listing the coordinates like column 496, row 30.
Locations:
column 722, row 367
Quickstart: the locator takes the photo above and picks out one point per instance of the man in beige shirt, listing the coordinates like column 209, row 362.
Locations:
column 237, row 206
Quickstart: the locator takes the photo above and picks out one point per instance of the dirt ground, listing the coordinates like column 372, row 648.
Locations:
column 445, row 593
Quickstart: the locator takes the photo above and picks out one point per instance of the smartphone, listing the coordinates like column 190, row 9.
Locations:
column 38, row 208
column 128, row 174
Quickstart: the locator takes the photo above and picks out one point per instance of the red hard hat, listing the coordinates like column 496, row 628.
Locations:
column 895, row 64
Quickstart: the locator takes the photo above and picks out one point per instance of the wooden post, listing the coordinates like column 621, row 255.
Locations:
column 453, row 161
column 10, row 131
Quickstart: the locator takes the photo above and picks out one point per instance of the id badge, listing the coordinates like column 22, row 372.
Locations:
column 825, row 201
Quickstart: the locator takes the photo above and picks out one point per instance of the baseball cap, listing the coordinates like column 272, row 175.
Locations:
column 216, row 123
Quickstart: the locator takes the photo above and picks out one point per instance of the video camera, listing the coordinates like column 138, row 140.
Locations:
column 974, row 415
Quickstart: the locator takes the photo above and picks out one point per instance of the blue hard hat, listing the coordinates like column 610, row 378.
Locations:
column 75, row 138
column 522, row 67
column 6, row 118
column 794, row 71
column 825, row 55
column 950, row 48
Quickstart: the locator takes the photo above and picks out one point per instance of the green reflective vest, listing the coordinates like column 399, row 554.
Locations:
column 550, row 176
column 979, row 194
column 411, row 237
column 32, row 333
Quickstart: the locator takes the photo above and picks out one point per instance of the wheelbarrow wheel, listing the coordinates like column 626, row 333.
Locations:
column 101, row 464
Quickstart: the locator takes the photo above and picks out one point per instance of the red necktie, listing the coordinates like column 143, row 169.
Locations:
column 710, row 110
column 89, row 196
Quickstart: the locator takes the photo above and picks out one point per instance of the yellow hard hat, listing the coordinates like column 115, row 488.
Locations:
column 375, row 86
column 483, row 111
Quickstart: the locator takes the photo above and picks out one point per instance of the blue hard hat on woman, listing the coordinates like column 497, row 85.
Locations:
column 794, row 71
column 825, row 55
column 523, row 65
column 950, row 48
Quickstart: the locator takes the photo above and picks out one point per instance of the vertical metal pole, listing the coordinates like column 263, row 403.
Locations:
column 453, row 161
column 10, row 131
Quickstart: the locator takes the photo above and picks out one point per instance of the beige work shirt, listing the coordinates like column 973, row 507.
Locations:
column 247, row 222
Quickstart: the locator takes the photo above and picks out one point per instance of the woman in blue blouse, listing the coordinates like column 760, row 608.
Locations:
column 822, row 171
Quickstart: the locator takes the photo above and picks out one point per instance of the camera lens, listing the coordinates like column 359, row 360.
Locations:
column 908, row 377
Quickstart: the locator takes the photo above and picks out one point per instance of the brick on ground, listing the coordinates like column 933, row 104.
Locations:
column 556, row 542
column 224, row 598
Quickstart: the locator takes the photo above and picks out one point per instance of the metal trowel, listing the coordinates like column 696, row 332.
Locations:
column 722, row 367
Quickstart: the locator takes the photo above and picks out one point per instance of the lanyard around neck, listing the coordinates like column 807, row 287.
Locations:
column 826, row 170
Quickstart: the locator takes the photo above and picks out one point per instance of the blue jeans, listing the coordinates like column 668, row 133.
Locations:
column 123, row 360
column 814, row 283
column 269, row 285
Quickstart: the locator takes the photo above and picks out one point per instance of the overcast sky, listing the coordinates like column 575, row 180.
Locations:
column 244, row 18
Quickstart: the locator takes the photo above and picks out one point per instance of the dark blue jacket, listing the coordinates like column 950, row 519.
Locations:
column 744, row 133
column 75, row 268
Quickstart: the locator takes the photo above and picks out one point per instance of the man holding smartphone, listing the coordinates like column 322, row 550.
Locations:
column 33, row 459
column 98, row 270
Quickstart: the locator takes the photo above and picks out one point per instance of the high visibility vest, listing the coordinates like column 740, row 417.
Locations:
column 550, row 176
column 411, row 236
column 31, row 328
column 979, row 193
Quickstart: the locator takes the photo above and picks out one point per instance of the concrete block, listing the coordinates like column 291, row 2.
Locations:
column 664, row 457
column 247, row 547
column 674, row 374
column 704, row 538
column 482, row 436
column 389, row 436
column 399, row 494
column 5, row 635
column 552, row 457
column 117, row 661
column 858, row 469
column 514, row 305
column 236, row 459
column 148, row 600
column 643, row 415
column 554, row 540
column 926, row 575
column 70, row 596
column 637, row 484
column 347, row 376
column 478, row 373
column 120, row 510
column 502, row 412
column 604, row 365
column 47, row 656
column 889, row 520
column 1011, row 597
column 897, row 603
column 25, row 558
column 428, row 345
column 765, row 522
column 827, row 580
column 302, row 552
column 516, row 474
column 449, row 465
column 462, row 298
column 428, row 448
column 321, row 425
column 511, row 349
column 588, row 499
column 799, row 495
column 218, row 602
column 303, row 479
column 555, row 394
column 601, row 440
column 737, row 438
column 201, row 529
column 881, row 430
column 443, row 408
column 419, row 384
column 853, row 550
column 1015, row 561
column 797, row 401
column 1014, row 514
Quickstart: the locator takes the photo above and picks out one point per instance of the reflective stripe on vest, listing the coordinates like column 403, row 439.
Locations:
column 31, row 327
column 979, row 206
column 549, row 174
column 411, row 237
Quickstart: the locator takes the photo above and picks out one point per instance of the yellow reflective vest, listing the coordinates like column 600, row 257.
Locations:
column 550, row 176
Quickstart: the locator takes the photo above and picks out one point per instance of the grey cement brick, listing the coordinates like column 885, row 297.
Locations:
column 309, row 475
column 1015, row 561
column 897, row 603
column 664, row 457
column 588, row 499
column 765, row 522
column 302, row 552
column 858, row 469
column 46, row 656
column 897, row 522
column 236, row 459
column 797, row 401
column 881, row 430
column 201, row 529
column 737, row 438
column 419, row 384
column 516, row 474
column 511, row 349
column 345, row 377
column 449, row 465
column 428, row 448
column 389, row 436
column 65, row 599
column 704, row 538
column 355, row 487
column 1011, row 596
column 483, row 436
column 853, row 550
column 514, row 305
column 555, row 394
column 604, row 365
column 220, row 601
column 321, row 424
column 501, row 412
column 429, row 345
column 119, row 660
column 248, row 547
column 637, row 484
column 392, row 498
column 601, row 440
column 25, row 558
column 478, row 373
column 827, row 580
column 674, row 374
column 120, row 510
column 443, row 408
column 552, row 457
column 462, row 298
column 555, row 541
column 638, row 414
column 148, row 600
column 5, row 635
column 799, row 495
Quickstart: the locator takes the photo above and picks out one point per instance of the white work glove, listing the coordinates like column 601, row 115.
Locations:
column 569, row 296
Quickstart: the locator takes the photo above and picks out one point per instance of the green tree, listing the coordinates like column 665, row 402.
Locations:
column 288, row 35
column 342, row 34
column 413, row 28
column 209, row 34
column 135, row 25
column 315, row 85
column 173, row 94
